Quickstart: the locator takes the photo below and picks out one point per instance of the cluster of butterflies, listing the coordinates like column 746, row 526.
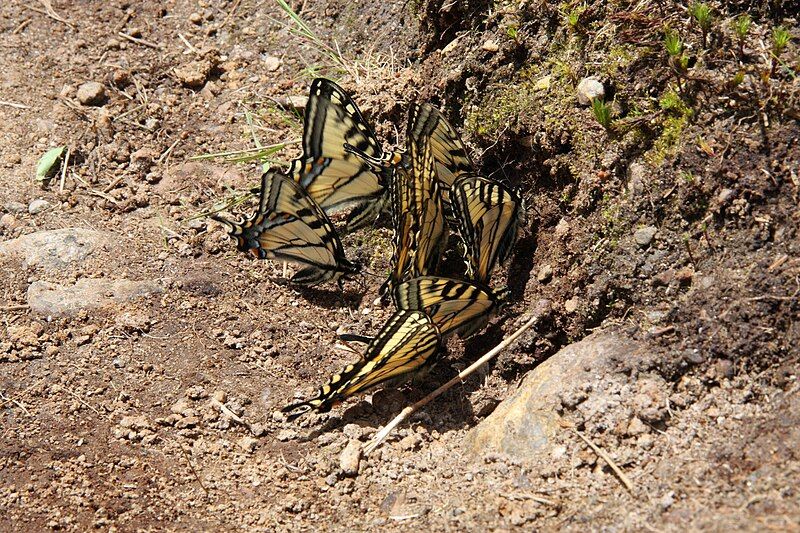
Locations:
column 428, row 189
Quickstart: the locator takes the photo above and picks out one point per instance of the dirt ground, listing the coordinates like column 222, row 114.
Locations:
column 676, row 226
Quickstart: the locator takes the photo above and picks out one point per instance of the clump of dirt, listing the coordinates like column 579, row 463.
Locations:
column 673, row 222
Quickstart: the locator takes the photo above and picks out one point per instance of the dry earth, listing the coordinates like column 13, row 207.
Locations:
column 144, row 361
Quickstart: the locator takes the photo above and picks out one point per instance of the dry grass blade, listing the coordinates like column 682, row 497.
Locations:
column 405, row 413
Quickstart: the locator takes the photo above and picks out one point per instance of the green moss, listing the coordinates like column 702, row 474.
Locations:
column 674, row 120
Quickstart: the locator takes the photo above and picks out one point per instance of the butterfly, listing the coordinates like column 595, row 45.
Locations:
column 454, row 306
column 406, row 343
column 335, row 178
column 418, row 214
column 290, row 226
column 488, row 215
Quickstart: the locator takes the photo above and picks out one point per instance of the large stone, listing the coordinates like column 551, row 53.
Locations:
column 54, row 249
column 524, row 426
column 87, row 294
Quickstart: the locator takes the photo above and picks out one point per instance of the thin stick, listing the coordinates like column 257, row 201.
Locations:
column 191, row 467
column 224, row 408
column 6, row 400
column 405, row 413
column 136, row 40
column 116, row 181
column 14, row 105
column 191, row 49
column 17, row 307
column 22, row 26
column 168, row 151
column 617, row 470
column 50, row 13
column 64, row 170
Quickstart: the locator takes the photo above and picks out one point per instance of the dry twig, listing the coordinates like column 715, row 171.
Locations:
column 14, row 105
column 617, row 470
column 137, row 40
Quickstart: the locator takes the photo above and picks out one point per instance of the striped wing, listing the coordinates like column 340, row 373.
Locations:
column 418, row 214
column 290, row 226
column 488, row 214
column 454, row 306
column 449, row 153
column 408, row 341
column 334, row 178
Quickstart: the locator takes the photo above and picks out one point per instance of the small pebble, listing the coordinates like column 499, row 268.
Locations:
column 272, row 63
column 545, row 273
column 571, row 305
column 92, row 93
column 37, row 206
column 644, row 236
column 491, row 46
column 350, row 458
column 220, row 396
column 8, row 221
column 15, row 207
column 247, row 443
column 195, row 18
column 589, row 89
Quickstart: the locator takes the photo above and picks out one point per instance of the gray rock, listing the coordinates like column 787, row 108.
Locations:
column 525, row 425
column 15, row 207
column 350, row 458
column 636, row 181
column 87, row 294
column 589, row 89
column 54, row 249
column 92, row 93
column 37, row 206
column 644, row 236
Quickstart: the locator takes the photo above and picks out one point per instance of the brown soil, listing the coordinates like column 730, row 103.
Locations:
column 111, row 419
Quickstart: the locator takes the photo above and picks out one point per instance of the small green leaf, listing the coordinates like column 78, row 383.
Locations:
column 49, row 163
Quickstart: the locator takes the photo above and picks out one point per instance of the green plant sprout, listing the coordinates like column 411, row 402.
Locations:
column 780, row 38
column 677, row 60
column 741, row 26
column 701, row 13
column 602, row 113
column 673, row 44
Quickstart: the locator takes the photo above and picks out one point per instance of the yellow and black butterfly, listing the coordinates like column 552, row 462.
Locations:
column 407, row 342
column 334, row 177
column 418, row 214
column 488, row 215
column 454, row 306
column 290, row 226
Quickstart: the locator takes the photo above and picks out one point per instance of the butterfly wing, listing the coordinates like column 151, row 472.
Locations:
column 449, row 153
column 488, row 214
column 407, row 342
column 335, row 178
column 290, row 226
column 454, row 306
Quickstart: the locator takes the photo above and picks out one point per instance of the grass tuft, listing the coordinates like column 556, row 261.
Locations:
column 602, row 113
